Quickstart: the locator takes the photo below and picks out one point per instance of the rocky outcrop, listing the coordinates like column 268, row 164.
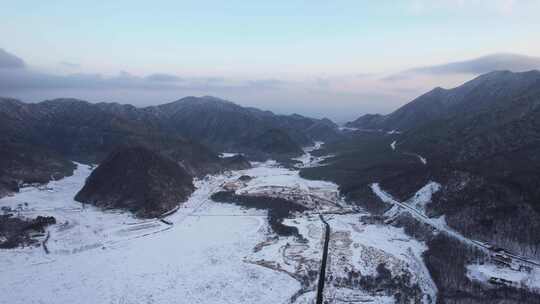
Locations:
column 139, row 180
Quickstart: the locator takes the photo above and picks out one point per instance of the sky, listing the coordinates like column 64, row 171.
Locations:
column 338, row 59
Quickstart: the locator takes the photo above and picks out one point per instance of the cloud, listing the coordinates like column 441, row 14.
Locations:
column 265, row 83
column 10, row 61
column 163, row 78
column 398, row 76
column 341, row 97
column 16, row 80
column 70, row 65
column 22, row 79
column 477, row 66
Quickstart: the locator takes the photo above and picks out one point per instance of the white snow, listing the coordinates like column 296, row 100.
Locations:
column 227, row 154
column 347, row 295
column 420, row 198
column 393, row 145
column 483, row 272
column 362, row 247
column 213, row 252
column 307, row 160
column 416, row 208
column 348, row 129
column 274, row 181
column 290, row 255
column 422, row 159
column 423, row 196
column 112, row 257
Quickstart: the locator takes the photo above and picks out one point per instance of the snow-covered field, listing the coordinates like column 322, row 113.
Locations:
column 484, row 272
column 308, row 160
column 206, row 252
column 111, row 257
column 359, row 248
column 212, row 252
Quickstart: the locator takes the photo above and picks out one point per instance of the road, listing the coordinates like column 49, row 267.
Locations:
column 386, row 197
column 322, row 273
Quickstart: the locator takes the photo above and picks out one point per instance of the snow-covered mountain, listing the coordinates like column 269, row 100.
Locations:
column 434, row 203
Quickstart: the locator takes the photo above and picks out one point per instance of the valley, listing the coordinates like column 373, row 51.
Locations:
column 211, row 250
column 270, row 152
column 110, row 203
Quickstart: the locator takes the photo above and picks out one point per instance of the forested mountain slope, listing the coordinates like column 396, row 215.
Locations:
column 481, row 141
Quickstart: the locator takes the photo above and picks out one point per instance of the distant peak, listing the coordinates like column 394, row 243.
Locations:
column 209, row 97
column 65, row 101
column 205, row 98
column 505, row 75
column 436, row 90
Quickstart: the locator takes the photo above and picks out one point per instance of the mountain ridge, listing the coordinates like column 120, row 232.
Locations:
column 188, row 130
column 441, row 103
column 480, row 141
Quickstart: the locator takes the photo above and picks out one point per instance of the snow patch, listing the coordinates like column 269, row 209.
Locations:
column 307, row 160
column 360, row 247
column 422, row 159
column 438, row 223
column 423, row 196
column 227, row 154
column 484, row 272
column 348, row 129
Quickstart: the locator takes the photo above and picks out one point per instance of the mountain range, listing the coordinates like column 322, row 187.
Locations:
column 189, row 131
column 480, row 140
column 470, row 153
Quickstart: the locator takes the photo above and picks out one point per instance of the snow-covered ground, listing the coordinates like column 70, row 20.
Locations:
column 348, row 129
column 212, row 252
column 274, row 181
column 416, row 207
column 112, row 257
column 357, row 247
column 421, row 198
column 484, row 272
column 422, row 159
column 308, row 160
column 227, row 154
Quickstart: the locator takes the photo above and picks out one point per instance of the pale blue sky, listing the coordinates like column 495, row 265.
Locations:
column 311, row 46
